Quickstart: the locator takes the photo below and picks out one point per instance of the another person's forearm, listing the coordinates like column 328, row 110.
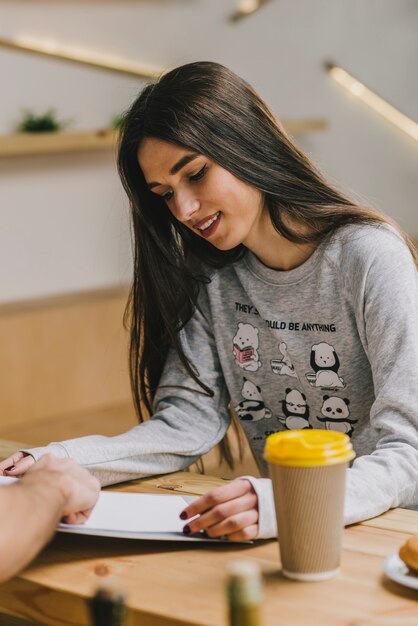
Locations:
column 30, row 512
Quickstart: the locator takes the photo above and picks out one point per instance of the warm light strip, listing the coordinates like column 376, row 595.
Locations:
column 247, row 7
column 78, row 55
column 374, row 101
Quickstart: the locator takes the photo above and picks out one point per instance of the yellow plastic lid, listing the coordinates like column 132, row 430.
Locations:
column 306, row 448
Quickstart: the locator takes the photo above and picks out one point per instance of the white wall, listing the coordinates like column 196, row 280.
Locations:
column 63, row 219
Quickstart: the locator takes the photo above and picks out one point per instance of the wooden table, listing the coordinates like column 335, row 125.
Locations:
column 173, row 584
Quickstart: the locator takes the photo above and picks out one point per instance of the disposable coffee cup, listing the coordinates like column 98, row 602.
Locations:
column 308, row 471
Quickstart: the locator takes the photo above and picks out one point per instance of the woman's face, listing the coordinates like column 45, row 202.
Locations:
column 201, row 194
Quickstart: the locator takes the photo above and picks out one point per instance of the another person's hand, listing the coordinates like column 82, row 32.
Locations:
column 79, row 488
column 17, row 464
column 230, row 511
column 31, row 508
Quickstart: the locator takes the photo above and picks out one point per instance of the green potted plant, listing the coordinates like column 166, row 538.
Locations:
column 44, row 123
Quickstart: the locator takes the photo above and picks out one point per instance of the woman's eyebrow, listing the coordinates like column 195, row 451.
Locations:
column 177, row 167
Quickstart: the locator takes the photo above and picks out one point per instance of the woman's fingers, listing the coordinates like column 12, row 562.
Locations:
column 11, row 461
column 234, row 489
column 236, row 525
column 20, row 466
column 223, row 511
column 231, row 510
column 246, row 534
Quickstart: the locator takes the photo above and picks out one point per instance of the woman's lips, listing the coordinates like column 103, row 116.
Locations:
column 208, row 226
column 206, row 220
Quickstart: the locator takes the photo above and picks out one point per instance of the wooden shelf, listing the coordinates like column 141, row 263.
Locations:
column 25, row 144
column 247, row 8
column 55, row 50
column 299, row 127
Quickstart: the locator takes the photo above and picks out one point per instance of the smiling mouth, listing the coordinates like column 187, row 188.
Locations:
column 208, row 223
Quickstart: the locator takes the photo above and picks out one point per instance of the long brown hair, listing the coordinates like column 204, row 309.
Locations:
column 207, row 108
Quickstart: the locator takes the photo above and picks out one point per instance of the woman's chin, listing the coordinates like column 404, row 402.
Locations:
column 225, row 243
column 224, row 246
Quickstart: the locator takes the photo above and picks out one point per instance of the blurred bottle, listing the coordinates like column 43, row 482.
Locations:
column 107, row 607
column 244, row 593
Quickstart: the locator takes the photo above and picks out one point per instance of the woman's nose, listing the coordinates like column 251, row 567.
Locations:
column 186, row 206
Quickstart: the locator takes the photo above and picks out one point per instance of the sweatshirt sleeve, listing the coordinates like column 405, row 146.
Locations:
column 186, row 422
column 387, row 319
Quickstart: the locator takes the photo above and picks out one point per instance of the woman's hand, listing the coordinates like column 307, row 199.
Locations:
column 17, row 464
column 230, row 511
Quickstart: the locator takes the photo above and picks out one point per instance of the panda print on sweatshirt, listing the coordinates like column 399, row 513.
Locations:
column 295, row 410
column 252, row 408
column 325, row 364
column 336, row 415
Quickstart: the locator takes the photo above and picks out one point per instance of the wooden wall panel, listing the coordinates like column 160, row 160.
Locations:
column 104, row 420
column 60, row 356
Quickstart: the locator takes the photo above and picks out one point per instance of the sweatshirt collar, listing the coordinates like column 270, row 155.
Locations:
column 285, row 277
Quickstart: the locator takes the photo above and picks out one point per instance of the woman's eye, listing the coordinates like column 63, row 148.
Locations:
column 200, row 174
column 167, row 196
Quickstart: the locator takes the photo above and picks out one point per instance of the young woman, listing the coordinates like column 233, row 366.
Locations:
column 256, row 283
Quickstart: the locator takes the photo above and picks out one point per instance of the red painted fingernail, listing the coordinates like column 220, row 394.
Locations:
column 187, row 530
column 183, row 515
column 9, row 469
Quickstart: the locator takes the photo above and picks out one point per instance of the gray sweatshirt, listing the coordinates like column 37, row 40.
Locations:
column 331, row 344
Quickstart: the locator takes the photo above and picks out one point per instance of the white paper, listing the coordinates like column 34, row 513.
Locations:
column 134, row 516
column 133, row 512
